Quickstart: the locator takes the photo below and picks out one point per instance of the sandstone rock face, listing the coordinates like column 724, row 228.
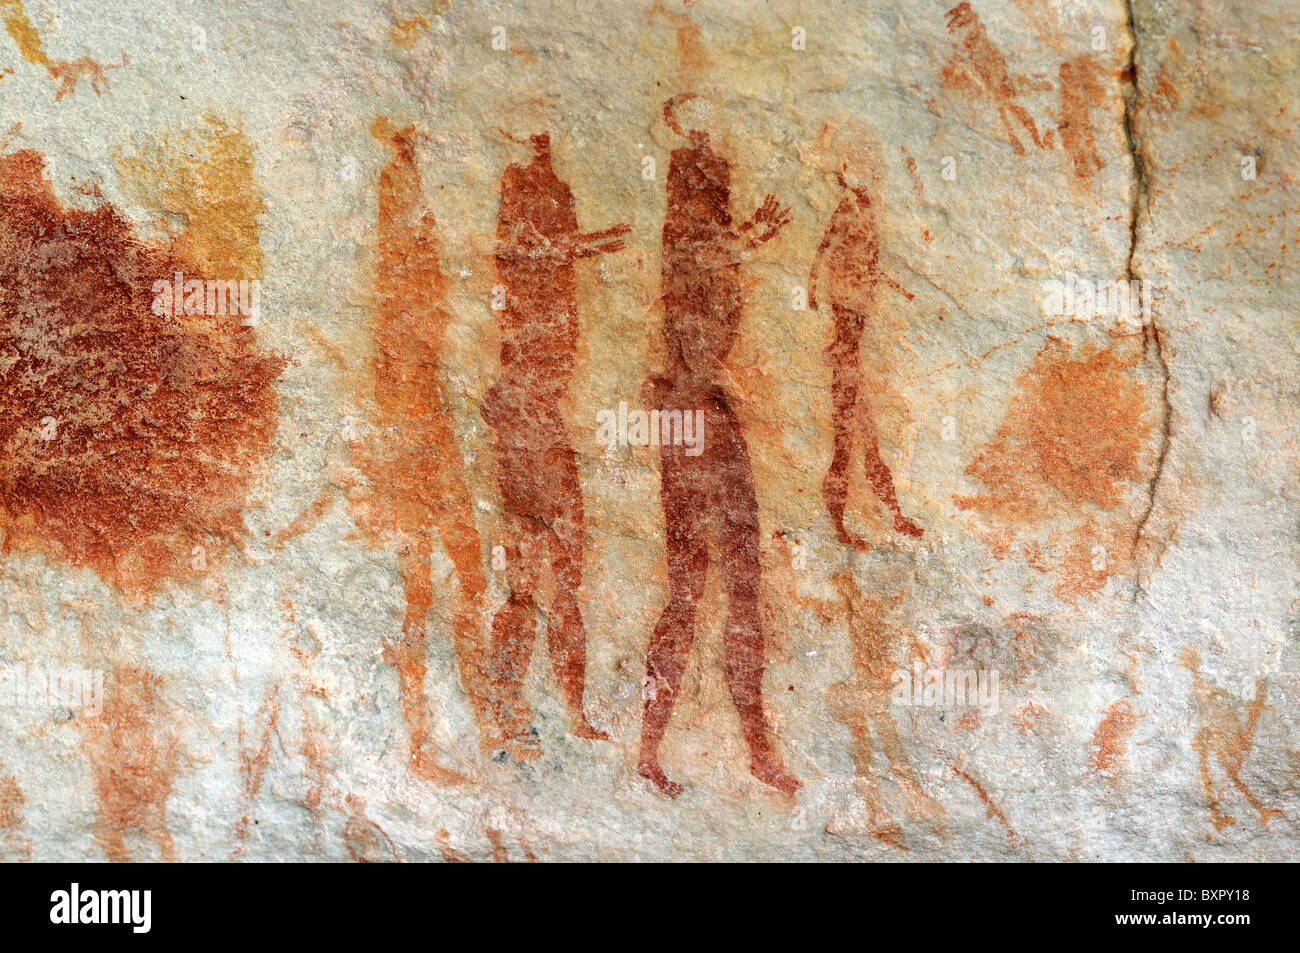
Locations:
column 450, row 429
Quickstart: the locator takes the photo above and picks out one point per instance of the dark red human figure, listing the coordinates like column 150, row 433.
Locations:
column 709, row 497
column 537, row 243
column 851, row 252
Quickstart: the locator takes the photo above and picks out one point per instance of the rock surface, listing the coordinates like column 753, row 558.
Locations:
column 970, row 335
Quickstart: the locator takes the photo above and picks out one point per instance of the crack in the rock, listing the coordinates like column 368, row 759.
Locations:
column 1151, row 334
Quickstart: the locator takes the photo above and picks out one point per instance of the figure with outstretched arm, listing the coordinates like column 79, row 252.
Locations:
column 537, row 244
column 849, row 253
column 708, row 499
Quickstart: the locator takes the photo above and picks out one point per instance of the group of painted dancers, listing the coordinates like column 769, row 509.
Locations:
column 707, row 499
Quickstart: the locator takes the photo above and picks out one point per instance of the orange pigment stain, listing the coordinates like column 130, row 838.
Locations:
column 12, row 822
column 1081, row 92
column 1110, row 740
column 127, row 438
column 1075, row 440
column 1028, row 719
column 133, row 748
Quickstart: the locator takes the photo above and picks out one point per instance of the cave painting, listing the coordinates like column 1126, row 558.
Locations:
column 979, row 68
column 850, row 254
column 863, row 703
column 707, row 498
column 416, row 474
column 32, row 49
column 1222, row 735
column 538, row 242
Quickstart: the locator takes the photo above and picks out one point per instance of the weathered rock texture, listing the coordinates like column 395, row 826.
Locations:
column 971, row 334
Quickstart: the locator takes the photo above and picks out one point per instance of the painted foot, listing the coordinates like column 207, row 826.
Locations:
column 655, row 775
column 426, row 766
column 775, row 776
column 589, row 731
column 904, row 525
column 848, row 539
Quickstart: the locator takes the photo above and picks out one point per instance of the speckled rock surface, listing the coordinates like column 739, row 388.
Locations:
column 835, row 431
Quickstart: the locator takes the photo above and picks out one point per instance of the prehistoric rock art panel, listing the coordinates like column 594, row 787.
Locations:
column 1094, row 518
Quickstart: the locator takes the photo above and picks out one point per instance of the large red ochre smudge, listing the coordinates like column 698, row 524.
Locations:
column 158, row 421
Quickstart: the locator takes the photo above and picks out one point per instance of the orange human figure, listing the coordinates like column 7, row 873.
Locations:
column 850, row 251
column 983, row 68
column 1222, row 734
column 537, row 244
column 414, row 466
column 707, row 498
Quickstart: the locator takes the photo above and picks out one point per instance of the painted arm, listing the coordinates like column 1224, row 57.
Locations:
column 897, row 287
column 816, row 266
column 590, row 244
column 772, row 216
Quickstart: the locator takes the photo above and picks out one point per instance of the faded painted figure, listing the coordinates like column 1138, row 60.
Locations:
column 537, row 244
column 850, row 252
column 415, row 467
column 980, row 68
column 709, row 498
column 1223, row 735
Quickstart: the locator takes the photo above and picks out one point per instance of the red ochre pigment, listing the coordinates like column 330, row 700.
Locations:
column 127, row 438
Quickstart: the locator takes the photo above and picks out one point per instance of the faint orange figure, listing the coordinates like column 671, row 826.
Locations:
column 1220, row 733
column 537, row 244
column 863, row 702
column 983, row 69
column 707, row 498
column 851, row 253
column 415, row 466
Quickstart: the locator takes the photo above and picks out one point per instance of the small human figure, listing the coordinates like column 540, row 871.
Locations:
column 850, row 251
column 1220, row 732
column 982, row 67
